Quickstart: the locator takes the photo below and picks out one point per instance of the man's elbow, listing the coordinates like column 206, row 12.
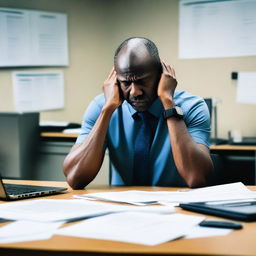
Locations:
column 196, row 180
column 77, row 179
column 75, row 182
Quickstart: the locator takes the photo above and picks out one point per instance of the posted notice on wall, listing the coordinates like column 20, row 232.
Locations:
column 38, row 91
column 33, row 38
column 246, row 88
column 216, row 29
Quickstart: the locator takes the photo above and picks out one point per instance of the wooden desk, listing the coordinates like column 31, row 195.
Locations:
column 239, row 162
column 241, row 242
column 233, row 147
column 58, row 136
column 51, row 135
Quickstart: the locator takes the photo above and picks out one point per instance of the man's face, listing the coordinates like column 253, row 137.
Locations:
column 138, row 83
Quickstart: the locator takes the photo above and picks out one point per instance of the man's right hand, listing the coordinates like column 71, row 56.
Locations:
column 111, row 91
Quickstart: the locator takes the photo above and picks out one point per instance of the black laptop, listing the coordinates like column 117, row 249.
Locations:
column 244, row 210
column 16, row 191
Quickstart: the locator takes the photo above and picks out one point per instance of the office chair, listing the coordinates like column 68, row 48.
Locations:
column 217, row 177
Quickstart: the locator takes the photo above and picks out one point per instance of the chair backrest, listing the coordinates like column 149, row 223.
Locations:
column 216, row 178
column 209, row 104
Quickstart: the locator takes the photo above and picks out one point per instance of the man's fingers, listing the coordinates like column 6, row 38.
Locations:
column 169, row 69
column 164, row 66
column 172, row 71
column 111, row 73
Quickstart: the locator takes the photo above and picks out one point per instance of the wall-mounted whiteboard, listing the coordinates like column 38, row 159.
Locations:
column 33, row 38
column 217, row 28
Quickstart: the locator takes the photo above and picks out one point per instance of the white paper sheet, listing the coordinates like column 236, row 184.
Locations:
column 61, row 209
column 199, row 232
column 233, row 191
column 36, row 91
column 211, row 29
column 246, row 88
column 33, row 38
column 131, row 227
column 21, row 231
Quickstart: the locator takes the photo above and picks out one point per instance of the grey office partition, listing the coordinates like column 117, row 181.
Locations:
column 19, row 139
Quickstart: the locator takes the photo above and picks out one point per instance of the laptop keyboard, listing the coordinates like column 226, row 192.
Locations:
column 14, row 189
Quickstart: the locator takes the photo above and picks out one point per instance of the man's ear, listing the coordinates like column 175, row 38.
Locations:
column 160, row 67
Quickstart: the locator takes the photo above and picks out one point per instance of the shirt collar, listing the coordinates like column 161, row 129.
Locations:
column 155, row 109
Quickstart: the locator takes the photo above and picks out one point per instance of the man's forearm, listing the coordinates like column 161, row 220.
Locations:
column 192, row 160
column 84, row 161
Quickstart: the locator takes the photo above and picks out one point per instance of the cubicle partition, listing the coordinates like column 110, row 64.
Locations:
column 19, row 139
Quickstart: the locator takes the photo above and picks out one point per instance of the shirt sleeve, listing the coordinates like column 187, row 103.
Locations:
column 89, row 119
column 197, row 119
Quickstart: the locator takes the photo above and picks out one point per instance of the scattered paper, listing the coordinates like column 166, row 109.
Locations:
column 134, row 197
column 134, row 227
column 53, row 123
column 67, row 210
column 73, row 130
column 199, row 232
column 246, row 88
column 21, row 231
column 232, row 191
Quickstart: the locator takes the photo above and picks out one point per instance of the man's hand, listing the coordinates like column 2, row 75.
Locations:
column 167, row 86
column 112, row 91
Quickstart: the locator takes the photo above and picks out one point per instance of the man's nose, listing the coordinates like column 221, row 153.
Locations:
column 135, row 90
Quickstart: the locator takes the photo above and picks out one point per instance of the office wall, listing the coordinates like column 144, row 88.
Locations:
column 96, row 27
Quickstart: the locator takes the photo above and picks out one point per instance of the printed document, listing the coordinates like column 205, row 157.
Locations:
column 33, row 38
column 232, row 191
column 216, row 29
column 134, row 227
column 246, row 88
column 21, row 231
column 67, row 210
column 37, row 91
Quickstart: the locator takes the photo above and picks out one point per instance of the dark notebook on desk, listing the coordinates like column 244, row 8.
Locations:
column 239, row 210
column 16, row 191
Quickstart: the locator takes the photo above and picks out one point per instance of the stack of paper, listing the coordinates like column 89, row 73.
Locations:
column 67, row 210
column 134, row 227
column 233, row 191
column 21, row 231
column 141, row 224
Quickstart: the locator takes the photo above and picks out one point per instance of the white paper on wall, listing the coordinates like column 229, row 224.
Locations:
column 33, row 38
column 246, row 88
column 213, row 29
column 37, row 91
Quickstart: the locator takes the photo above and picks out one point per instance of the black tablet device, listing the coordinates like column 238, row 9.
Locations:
column 238, row 210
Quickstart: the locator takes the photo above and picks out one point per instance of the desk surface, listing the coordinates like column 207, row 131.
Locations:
column 59, row 135
column 240, row 242
column 233, row 147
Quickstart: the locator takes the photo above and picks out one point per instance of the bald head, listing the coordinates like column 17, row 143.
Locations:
column 136, row 55
column 138, row 70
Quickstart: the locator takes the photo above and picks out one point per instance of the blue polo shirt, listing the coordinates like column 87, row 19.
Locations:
column 123, row 128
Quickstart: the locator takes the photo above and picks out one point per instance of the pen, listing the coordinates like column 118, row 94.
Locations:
column 221, row 224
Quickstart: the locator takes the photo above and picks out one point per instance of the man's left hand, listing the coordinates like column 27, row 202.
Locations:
column 167, row 85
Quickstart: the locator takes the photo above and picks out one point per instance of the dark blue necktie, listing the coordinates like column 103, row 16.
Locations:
column 141, row 174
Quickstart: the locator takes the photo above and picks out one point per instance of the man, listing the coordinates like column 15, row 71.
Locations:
column 155, row 135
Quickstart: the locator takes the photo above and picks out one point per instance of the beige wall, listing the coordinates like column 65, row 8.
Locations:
column 96, row 27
